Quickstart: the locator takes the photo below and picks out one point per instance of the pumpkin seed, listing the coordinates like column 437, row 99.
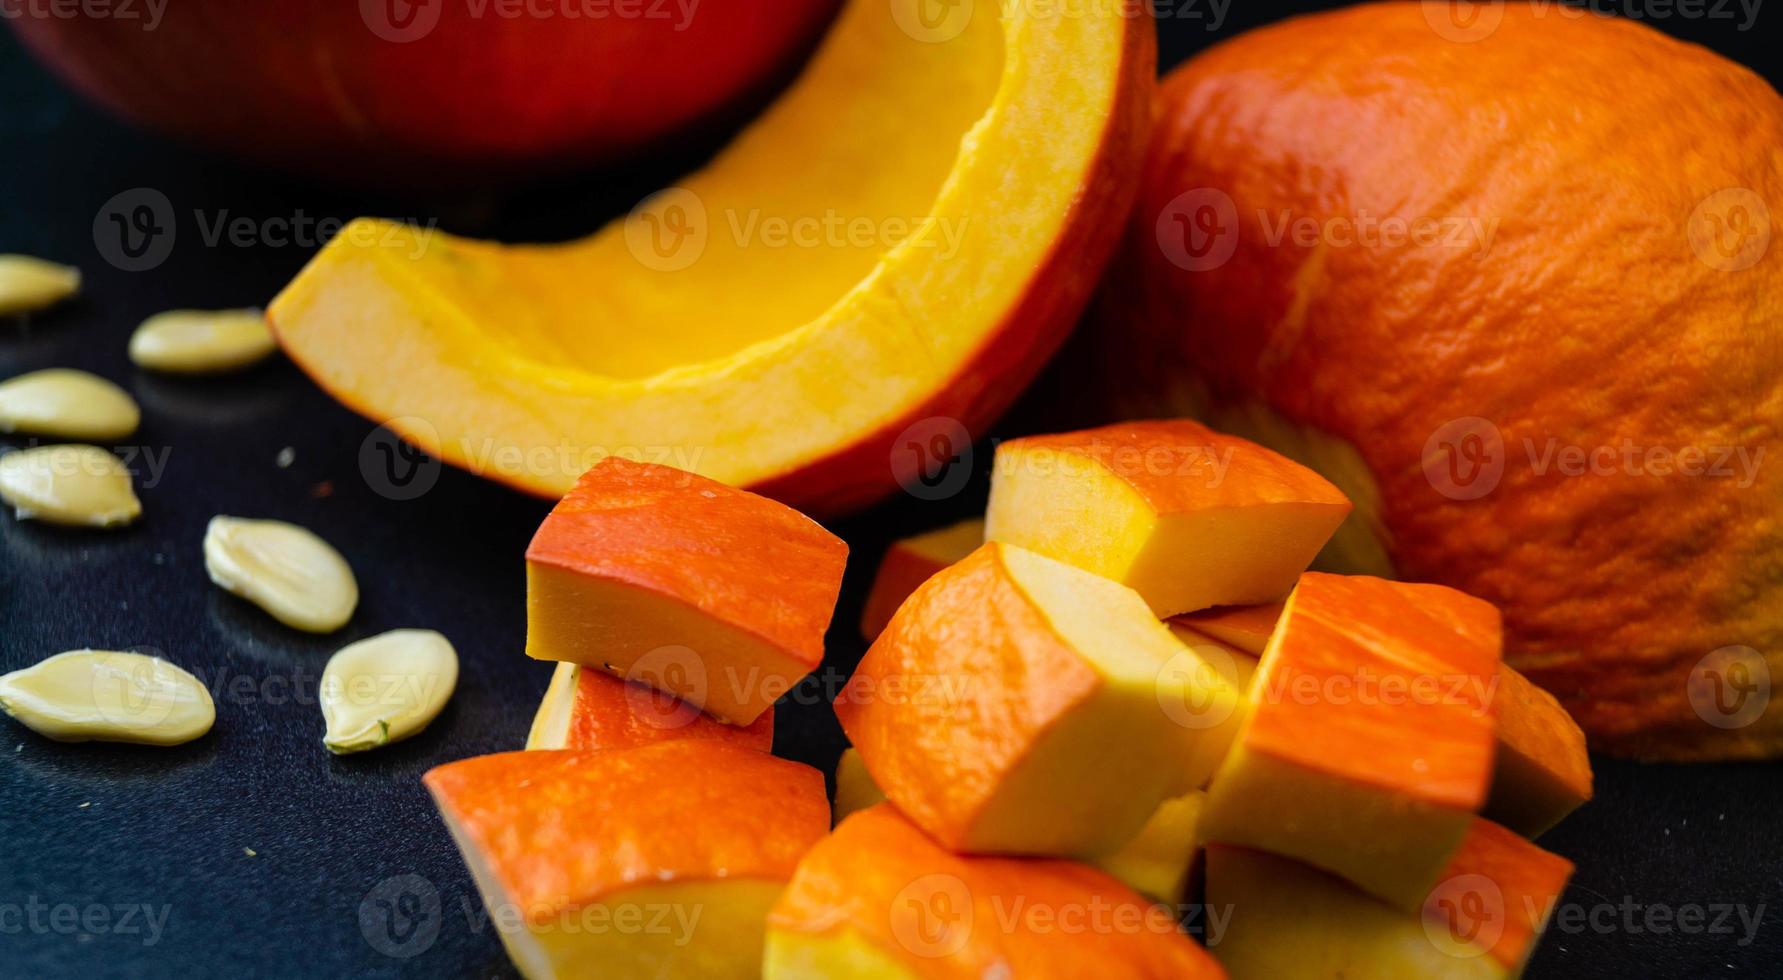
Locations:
column 386, row 688
column 67, row 404
column 202, row 341
column 284, row 569
column 106, row 696
column 68, row 484
column 28, row 284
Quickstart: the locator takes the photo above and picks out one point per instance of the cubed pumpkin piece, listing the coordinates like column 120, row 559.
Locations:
column 1369, row 743
column 1155, row 863
column 908, row 563
column 1016, row 704
column 1245, row 627
column 1187, row 517
column 1542, row 772
column 1290, row 921
column 878, row 898
column 702, row 836
column 713, row 594
column 592, row 709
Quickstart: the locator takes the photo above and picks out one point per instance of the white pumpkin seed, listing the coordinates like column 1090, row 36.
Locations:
column 284, row 569
column 28, row 284
column 67, row 404
column 106, row 696
column 69, row 484
column 386, row 688
column 202, row 341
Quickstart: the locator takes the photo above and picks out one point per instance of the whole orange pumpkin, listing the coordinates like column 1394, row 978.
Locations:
column 1509, row 280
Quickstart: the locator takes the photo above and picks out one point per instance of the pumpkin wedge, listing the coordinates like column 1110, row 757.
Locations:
column 878, row 898
column 715, row 595
column 1185, row 516
column 1290, row 921
column 909, row 562
column 906, row 235
column 566, row 846
column 1019, row 705
column 592, row 709
column 1369, row 743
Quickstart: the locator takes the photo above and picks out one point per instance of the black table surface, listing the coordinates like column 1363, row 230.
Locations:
column 253, row 852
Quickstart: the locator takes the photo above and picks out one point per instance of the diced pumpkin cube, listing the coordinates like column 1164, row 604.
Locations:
column 713, row 594
column 878, row 898
column 592, row 709
column 1155, row 863
column 704, row 835
column 908, row 563
column 1291, row 921
column 1542, row 772
column 1016, row 704
column 1187, row 517
column 1369, row 744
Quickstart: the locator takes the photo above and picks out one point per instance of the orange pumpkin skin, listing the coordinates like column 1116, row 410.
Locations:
column 1615, row 291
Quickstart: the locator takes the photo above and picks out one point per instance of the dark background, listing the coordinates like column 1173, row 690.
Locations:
column 107, row 826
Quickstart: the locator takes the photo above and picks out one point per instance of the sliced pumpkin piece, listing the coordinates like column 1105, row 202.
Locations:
column 906, row 235
column 909, row 562
column 879, row 898
column 715, row 595
column 1018, row 705
column 1156, row 862
column 1369, row 743
column 700, row 836
column 1542, row 772
column 1185, row 516
column 592, row 709
column 1290, row 921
